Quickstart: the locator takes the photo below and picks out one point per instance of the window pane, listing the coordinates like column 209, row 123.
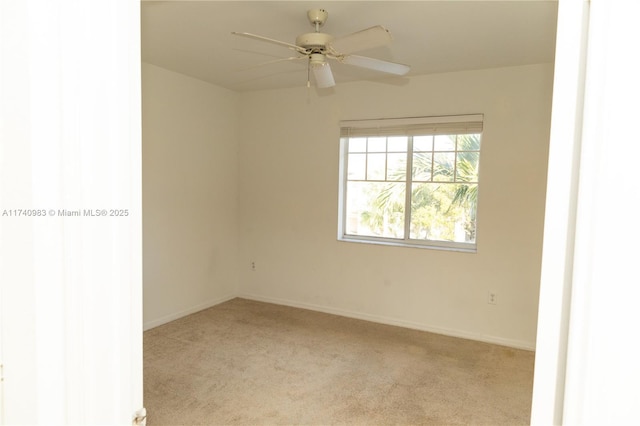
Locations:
column 422, row 166
column 467, row 166
column 397, row 166
column 424, row 211
column 356, row 204
column 444, row 143
column 469, row 142
column 443, row 166
column 376, row 166
column 422, row 143
column 397, row 144
column 356, row 165
column 358, row 145
column 377, row 145
column 375, row 209
column 443, row 212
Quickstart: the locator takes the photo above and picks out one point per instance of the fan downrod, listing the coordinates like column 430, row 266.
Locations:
column 315, row 42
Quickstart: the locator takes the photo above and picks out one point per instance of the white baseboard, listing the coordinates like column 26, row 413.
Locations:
column 517, row 344
column 174, row 316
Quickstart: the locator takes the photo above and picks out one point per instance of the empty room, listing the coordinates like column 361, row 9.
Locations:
column 343, row 209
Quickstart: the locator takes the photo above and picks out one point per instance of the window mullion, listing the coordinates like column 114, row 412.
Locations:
column 455, row 160
column 408, row 184
column 386, row 159
column 366, row 161
column 433, row 156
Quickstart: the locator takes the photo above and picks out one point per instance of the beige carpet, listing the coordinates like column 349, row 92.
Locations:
column 252, row 363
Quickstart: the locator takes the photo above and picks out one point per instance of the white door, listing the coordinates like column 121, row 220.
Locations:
column 70, row 212
column 586, row 370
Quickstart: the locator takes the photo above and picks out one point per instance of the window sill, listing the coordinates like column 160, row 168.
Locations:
column 402, row 243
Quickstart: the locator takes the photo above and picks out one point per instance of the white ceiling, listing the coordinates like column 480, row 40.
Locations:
column 194, row 37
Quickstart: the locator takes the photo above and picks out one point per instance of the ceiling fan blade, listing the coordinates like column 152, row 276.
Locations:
column 375, row 64
column 362, row 40
column 323, row 75
column 270, row 40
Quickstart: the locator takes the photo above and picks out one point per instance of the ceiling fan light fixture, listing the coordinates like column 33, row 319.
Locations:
column 317, row 59
column 322, row 73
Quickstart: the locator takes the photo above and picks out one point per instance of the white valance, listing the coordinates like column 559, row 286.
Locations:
column 412, row 126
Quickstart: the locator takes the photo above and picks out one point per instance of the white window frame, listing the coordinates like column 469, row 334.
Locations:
column 412, row 126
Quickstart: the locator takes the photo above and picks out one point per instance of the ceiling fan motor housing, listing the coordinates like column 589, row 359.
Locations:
column 313, row 41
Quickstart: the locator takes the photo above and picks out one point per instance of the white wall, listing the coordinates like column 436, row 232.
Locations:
column 190, row 209
column 289, row 194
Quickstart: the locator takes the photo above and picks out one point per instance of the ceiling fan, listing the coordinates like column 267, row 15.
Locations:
column 317, row 47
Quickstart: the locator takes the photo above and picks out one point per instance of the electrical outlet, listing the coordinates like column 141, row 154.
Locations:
column 492, row 298
column 253, row 265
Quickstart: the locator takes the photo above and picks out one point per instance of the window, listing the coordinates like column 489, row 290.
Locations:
column 410, row 181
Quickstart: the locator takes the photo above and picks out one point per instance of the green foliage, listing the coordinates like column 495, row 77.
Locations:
column 385, row 216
